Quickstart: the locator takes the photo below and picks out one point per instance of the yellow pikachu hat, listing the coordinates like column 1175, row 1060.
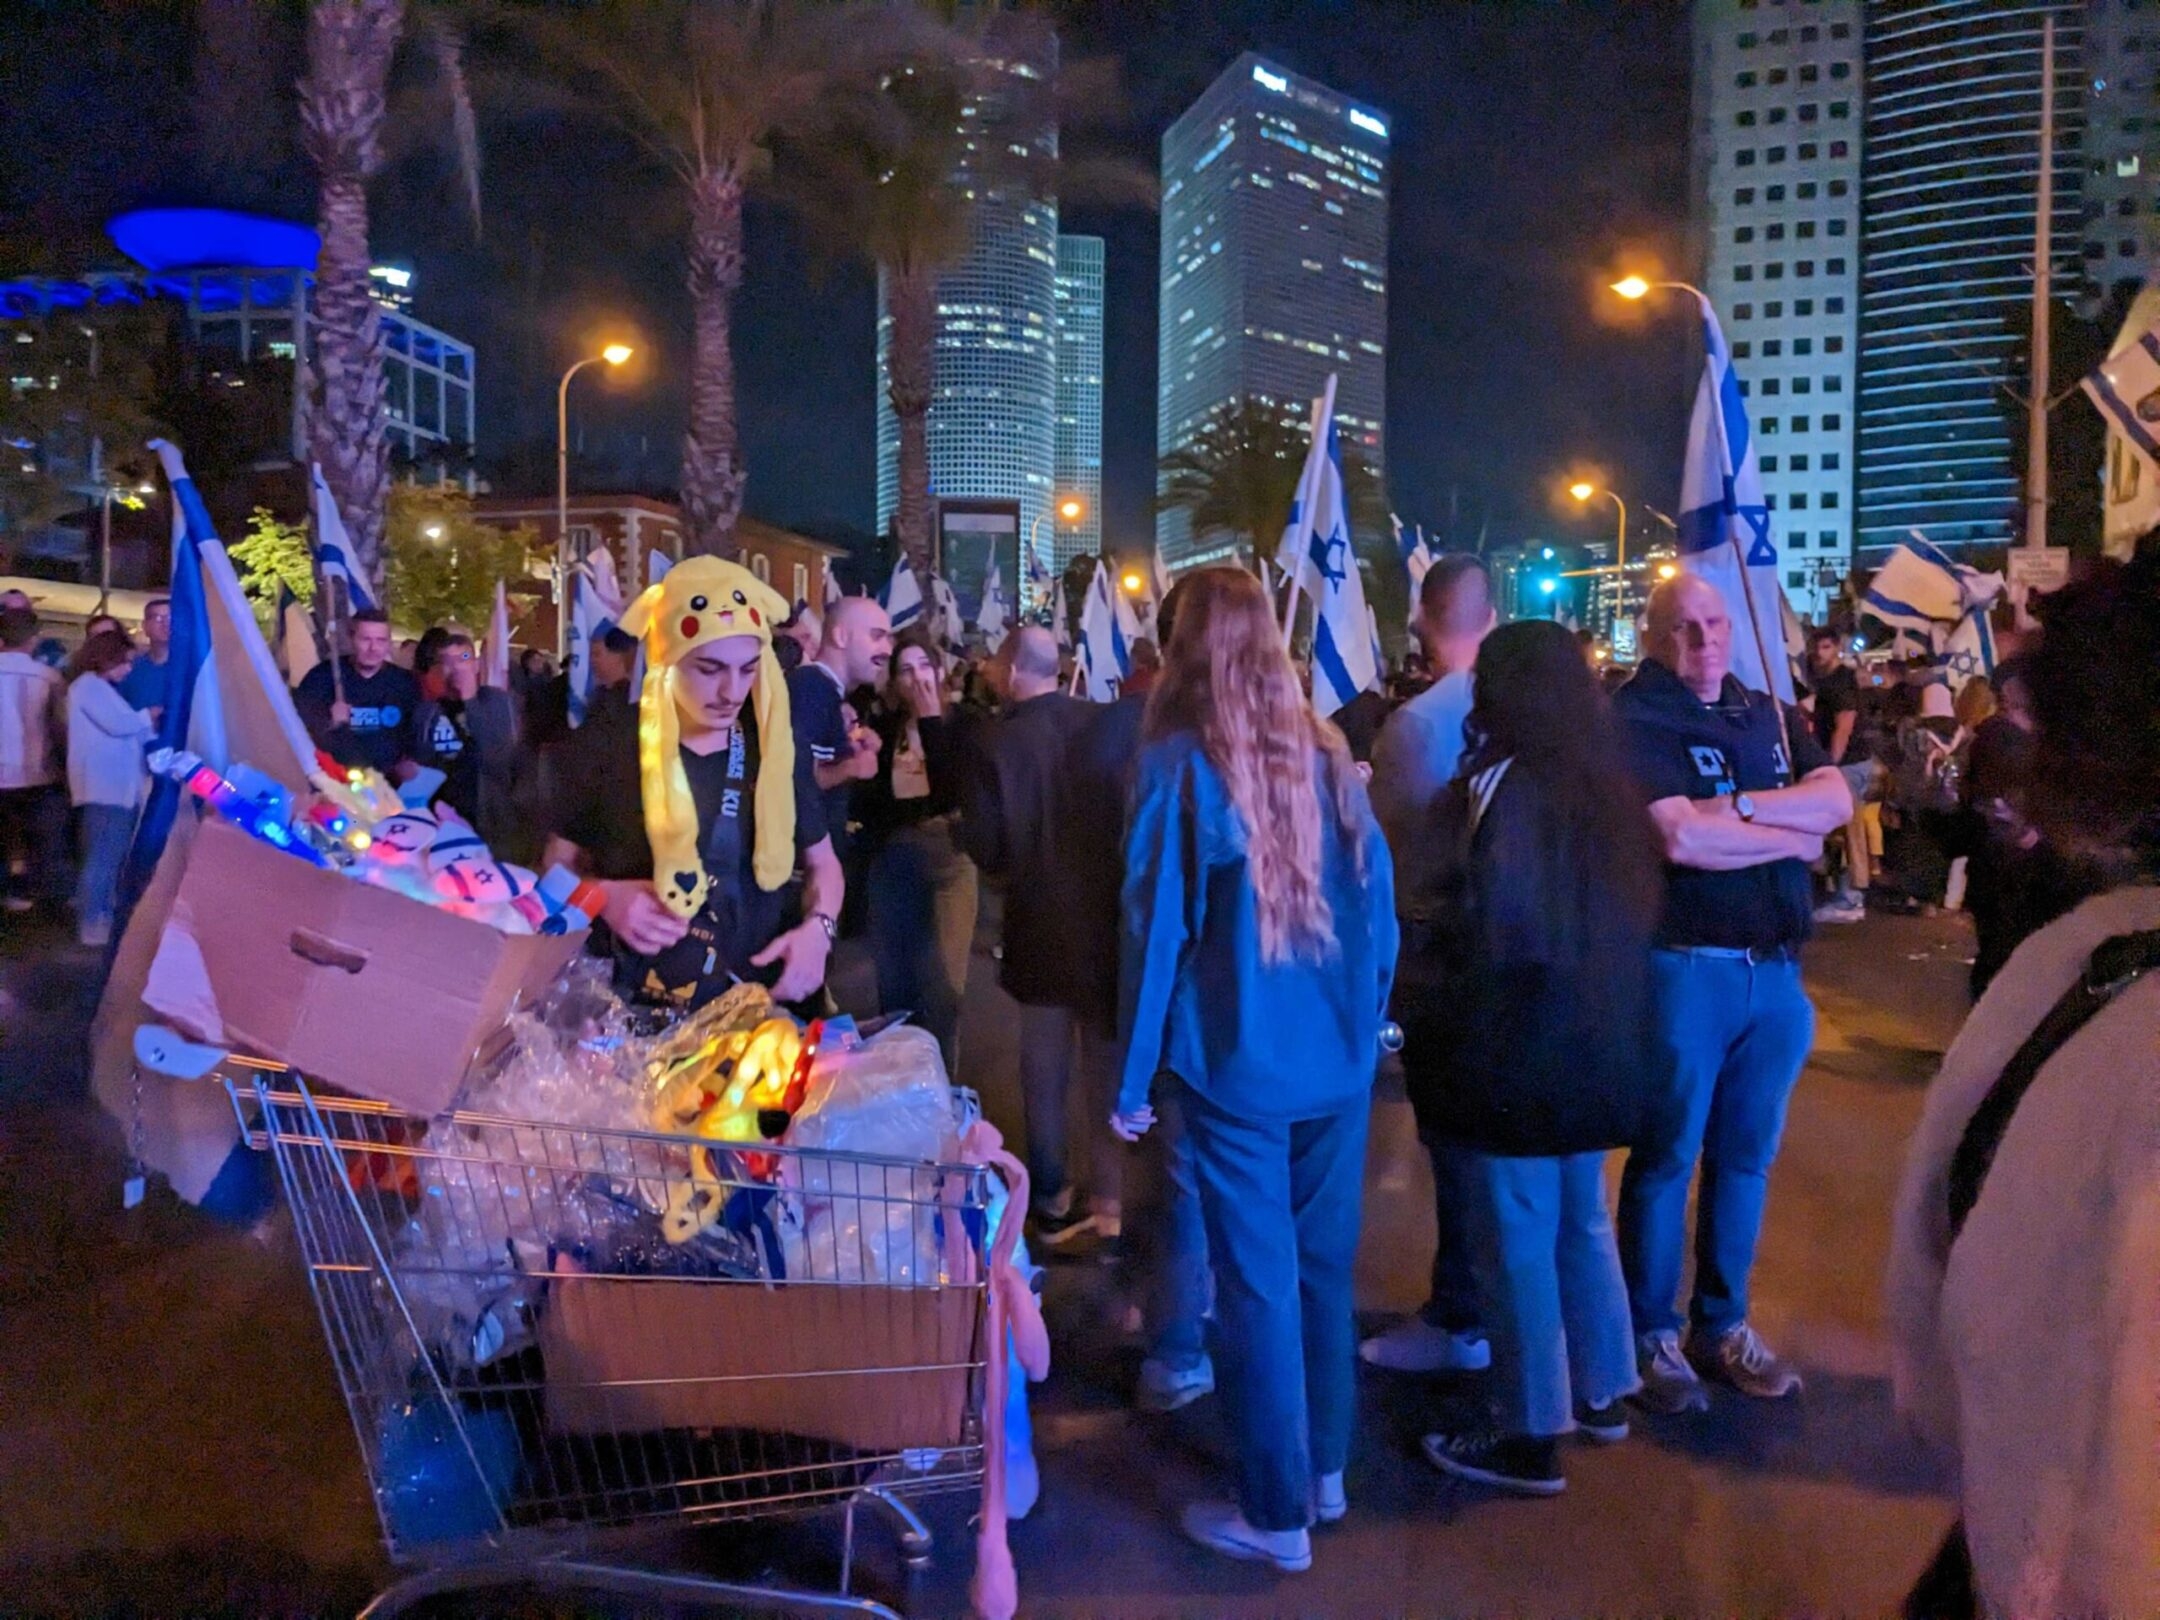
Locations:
column 703, row 600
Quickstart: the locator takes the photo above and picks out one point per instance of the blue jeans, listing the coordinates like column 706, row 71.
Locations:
column 1282, row 1201
column 1549, row 1286
column 107, row 830
column 1169, row 1239
column 1737, row 1034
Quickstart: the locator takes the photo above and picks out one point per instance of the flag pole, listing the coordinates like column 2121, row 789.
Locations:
column 2036, row 407
column 326, row 601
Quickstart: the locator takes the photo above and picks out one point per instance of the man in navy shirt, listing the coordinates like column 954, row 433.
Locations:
column 373, row 725
column 144, row 685
column 1743, row 801
column 855, row 651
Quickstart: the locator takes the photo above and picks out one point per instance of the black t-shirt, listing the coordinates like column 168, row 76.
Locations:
column 448, row 747
column 382, row 704
column 739, row 919
column 821, row 738
column 1838, row 693
column 1682, row 747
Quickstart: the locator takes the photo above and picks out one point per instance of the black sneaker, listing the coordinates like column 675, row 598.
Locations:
column 1605, row 1425
column 1528, row 1465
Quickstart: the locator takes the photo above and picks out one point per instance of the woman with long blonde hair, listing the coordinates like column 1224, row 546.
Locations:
column 1259, row 946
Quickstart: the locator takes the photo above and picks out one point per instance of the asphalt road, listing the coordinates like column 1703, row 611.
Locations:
column 172, row 1442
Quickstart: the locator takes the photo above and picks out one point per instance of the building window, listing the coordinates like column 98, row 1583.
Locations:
column 1773, row 194
column 1809, row 112
column 1833, row 384
column 1840, row 70
column 1805, row 228
column 1803, row 345
column 1801, row 385
column 1803, row 267
column 1839, row 188
column 1743, row 312
column 1807, row 151
column 2126, row 247
column 1798, row 501
column 1773, row 272
column 1780, row 36
column 1771, row 311
column 1743, row 272
column 1836, row 227
column 1746, row 42
column 1841, row 30
column 1808, row 75
column 1799, row 463
column 1830, row 499
column 1772, row 347
column 761, row 565
column 1836, row 267
column 1795, row 578
column 1810, row 34
column 1799, row 424
column 1767, row 425
column 1743, row 233
column 1745, row 79
column 1833, row 306
column 1769, row 386
column 1744, row 196
column 1777, row 115
column 1745, row 117
column 1840, row 149
column 1775, row 154
column 1840, row 109
column 1803, row 306
column 802, row 582
column 1831, row 424
column 1773, row 233
column 1826, row 537
column 1740, row 350
column 1830, row 463
column 1805, row 190
column 1744, row 158
column 1776, row 76
column 1833, row 345
column 1769, row 464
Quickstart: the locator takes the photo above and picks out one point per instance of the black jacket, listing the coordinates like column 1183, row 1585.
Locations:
column 1516, row 1042
column 1016, row 824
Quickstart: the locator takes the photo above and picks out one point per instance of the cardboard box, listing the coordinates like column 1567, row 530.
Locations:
column 873, row 1367
column 354, row 986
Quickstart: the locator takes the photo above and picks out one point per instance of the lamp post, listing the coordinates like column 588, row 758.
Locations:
column 1585, row 493
column 613, row 355
column 1070, row 508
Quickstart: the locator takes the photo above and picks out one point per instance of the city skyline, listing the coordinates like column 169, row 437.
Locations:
column 1273, row 268
column 1080, row 293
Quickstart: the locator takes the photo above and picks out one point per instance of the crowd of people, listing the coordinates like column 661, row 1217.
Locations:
column 1579, row 902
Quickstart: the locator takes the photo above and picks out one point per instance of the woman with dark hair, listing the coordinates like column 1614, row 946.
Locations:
column 98, row 624
column 2025, row 1261
column 106, row 775
column 922, row 888
column 1524, row 998
column 1259, row 943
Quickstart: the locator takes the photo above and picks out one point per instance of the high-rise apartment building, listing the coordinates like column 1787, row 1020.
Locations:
column 1079, row 400
column 2120, row 186
column 1777, row 160
column 993, row 410
column 1953, row 132
column 1274, row 266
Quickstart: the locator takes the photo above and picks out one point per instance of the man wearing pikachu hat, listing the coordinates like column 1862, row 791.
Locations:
column 696, row 885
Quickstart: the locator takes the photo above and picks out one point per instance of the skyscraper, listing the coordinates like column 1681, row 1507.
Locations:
column 1079, row 399
column 1953, row 132
column 993, row 406
column 1778, row 111
column 1274, row 266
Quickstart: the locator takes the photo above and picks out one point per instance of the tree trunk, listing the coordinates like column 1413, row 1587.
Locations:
column 712, row 471
column 342, row 105
column 911, row 371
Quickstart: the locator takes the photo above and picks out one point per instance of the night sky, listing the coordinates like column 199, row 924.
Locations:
column 1535, row 146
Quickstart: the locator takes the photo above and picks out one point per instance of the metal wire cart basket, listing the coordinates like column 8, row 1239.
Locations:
column 534, row 1367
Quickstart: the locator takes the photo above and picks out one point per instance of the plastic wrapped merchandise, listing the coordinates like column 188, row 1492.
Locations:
column 845, row 1220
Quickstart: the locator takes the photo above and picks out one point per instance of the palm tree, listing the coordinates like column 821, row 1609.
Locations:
column 344, row 102
column 1239, row 475
column 708, row 87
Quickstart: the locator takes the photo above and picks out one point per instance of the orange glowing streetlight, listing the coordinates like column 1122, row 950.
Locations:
column 1071, row 508
column 1132, row 582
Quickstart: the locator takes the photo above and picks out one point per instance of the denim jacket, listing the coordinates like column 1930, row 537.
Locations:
column 1283, row 1040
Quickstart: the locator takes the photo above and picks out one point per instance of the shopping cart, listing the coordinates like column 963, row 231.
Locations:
column 531, row 1389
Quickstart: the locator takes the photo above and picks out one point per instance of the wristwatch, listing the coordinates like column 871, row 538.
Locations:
column 1743, row 806
column 832, row 929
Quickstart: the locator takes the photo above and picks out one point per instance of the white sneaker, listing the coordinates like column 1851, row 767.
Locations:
column 1416, row 1346
column 1220, row 1526
column 95, row 936
column 1848, row 909
column 1329, row 1500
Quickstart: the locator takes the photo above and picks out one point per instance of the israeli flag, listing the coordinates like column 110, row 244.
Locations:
column 1920, row 586
column 947, row 621
column 334, row 554
column 902, row 596
column 2125, row 387
column 1316, row 554
column 1060, row 618
column 1039, row 586
column 1105, row 652
column 992, row 617
column 1724, row 526
column 595, row 605
column 1965, row 651
column 829, row 586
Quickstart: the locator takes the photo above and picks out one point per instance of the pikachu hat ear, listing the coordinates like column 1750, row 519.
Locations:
column 702, row 600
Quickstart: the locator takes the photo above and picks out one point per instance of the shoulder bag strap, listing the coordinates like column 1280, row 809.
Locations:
column 2114, row 966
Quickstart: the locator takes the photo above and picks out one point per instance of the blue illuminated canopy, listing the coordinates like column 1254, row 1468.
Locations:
column 161, row 239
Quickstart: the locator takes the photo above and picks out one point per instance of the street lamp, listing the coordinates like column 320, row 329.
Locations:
column 1070, row 509
column 1132, row 582
column 613, row 355
column 1634, row 288
column 1668, row 570
column 1583, row 493
column 107, row 494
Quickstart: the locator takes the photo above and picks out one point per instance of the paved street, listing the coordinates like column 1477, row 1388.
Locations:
column 171, row 1441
